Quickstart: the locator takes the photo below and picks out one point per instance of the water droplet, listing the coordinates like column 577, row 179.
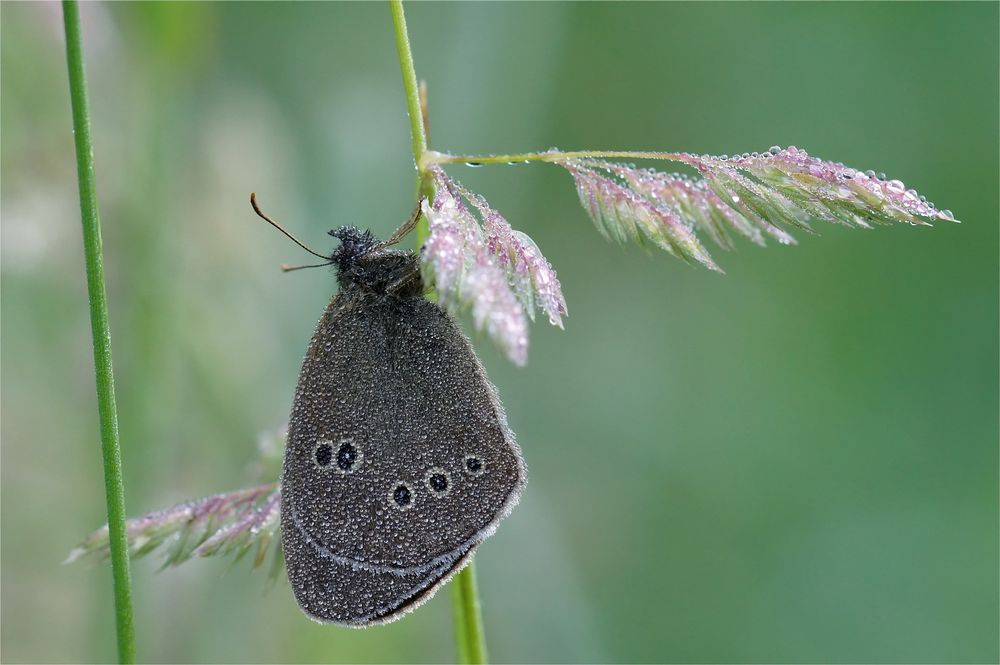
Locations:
column 895, row 185
column 870, row 173
column 880, row 175
column 947, row 214
column 474, row 164
column 774, row 149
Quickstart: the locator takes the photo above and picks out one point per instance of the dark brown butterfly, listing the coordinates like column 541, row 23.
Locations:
column 399, row 460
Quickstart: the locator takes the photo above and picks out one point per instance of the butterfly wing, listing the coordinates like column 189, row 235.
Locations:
column 399, row 460
column 332, row 592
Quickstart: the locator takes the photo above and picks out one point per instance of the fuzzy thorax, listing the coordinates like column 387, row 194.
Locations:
column 363, row 262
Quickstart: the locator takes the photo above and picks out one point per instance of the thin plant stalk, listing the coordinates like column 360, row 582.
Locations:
column 100, row 329
column 470, row 637
column 414, row 109
column 431, row 158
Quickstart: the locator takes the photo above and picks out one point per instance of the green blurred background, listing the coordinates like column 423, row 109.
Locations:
column 794, row 462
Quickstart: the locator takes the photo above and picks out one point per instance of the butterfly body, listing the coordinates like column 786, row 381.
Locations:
column 399, row 460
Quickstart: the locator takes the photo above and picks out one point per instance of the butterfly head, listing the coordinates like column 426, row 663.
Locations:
column 362, row 260
column 354, row 243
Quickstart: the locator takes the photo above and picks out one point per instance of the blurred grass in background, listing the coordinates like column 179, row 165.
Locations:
column 794, row 462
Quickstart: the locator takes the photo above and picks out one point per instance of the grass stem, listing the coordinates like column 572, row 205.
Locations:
column 101, row 333
column 432, row 157
column 470, row 637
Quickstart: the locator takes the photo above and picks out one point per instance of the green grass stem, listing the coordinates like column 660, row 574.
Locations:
column 107, row 412
column 470, row 636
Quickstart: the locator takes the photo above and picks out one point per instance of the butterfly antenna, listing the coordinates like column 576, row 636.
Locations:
column 407, row 226
column 256, row 209
column 287, row 268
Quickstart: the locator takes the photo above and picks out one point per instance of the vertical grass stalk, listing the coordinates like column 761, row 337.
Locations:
column 470, row 638
column 418, row 133
column 100, row 330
